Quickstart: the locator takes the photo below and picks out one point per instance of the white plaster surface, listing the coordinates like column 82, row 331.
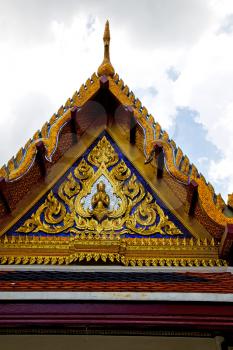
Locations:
column 102, row 268
column 132, row 296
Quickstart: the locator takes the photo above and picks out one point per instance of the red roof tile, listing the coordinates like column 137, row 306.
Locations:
column 116, row 282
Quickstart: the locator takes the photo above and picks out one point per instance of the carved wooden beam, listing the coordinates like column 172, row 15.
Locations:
column 133, row 124
column 158, row 153
column 192, row 196
column 40, row 157
column 160, row 161
column 226, row 243
column 3, row 195
column 74, row 124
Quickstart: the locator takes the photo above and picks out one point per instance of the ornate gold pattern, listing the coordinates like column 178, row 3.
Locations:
column 49, row 134
column 109, row 248
column 153, row 135
column 136, row 213
column 103, row 153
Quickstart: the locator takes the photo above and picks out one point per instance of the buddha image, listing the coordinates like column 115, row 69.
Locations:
column 100, row 201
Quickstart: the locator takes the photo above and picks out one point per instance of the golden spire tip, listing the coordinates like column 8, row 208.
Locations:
column 106, row 32
column 106, row 67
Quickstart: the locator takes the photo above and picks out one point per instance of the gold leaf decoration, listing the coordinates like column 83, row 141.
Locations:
column 103, row 152
column 100, row 201
column 47, row 216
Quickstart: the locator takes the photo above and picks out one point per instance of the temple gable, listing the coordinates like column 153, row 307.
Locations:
column 101, row 181
column 101, row 194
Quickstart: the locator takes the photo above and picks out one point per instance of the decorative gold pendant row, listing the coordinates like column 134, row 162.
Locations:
column 109, row 248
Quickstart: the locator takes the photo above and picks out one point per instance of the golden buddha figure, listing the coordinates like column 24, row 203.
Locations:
column 100, row 202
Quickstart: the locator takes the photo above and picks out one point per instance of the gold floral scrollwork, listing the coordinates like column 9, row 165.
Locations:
column 146, row 212
column 121, row 172
column 103, row 152
column 149, row 219
column 51, row 213
column 68, row 190
column 83, row 171
column 100, row 200
column 134, row 189
column 54, row 211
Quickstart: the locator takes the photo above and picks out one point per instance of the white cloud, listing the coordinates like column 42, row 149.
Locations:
column 205, row 84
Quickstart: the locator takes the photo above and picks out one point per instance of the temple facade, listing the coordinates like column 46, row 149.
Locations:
column 107, row 228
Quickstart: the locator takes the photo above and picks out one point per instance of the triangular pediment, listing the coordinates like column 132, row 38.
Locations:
column 101, row 193
column 103, row 208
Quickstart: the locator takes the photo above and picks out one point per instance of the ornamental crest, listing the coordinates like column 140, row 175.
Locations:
column 101, row 194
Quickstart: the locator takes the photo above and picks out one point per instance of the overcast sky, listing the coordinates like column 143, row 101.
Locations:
column 176, row 55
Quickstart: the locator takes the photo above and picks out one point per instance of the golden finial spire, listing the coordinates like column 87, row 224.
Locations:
column 106, row 67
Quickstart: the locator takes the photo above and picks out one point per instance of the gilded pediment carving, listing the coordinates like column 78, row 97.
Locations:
column 101, row 194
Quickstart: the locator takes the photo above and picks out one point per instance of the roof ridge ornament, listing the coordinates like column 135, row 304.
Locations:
column 106, row 67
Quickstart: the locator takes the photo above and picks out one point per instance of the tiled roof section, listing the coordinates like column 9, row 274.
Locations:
column 116, row 281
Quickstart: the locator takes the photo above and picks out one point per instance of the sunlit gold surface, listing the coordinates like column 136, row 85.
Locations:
column 177, row 164
column 109, row 248
column 103, row 244
column 94, row 239
column 137, row 213
column 106, row 67
column 136, row 158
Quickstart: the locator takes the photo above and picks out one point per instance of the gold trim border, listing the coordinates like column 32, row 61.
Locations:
column 109, row 248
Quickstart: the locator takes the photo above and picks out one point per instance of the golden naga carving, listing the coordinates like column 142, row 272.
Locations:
column 101, row 200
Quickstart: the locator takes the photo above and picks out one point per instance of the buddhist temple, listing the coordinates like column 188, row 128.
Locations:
column 107, row 228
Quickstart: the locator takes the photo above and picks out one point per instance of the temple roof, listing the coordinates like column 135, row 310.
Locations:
column 35, row 160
